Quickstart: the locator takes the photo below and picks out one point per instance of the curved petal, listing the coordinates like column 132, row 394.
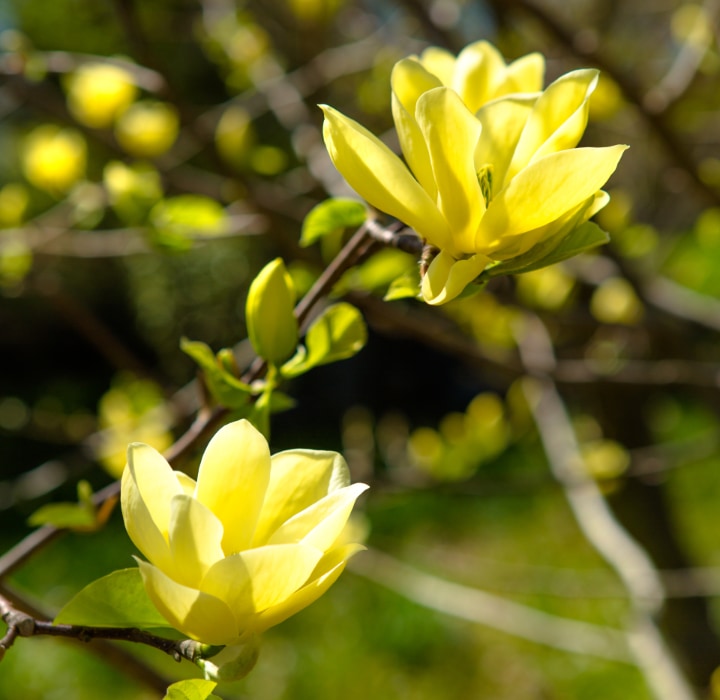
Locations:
column 502, row 123
column 194, row 613
column 380, row 177
column 187, row 483
column 321, row 524
column 195, row 540
column 298, row 478
column 446, row 277
column 479, row 70
column 148, row 485
column 233, row 476
column 526, row 74
column 409, row 80
column 439, row 62
column 451, row 133
column 546, row 190
column 325, row 574
column 251, row 581
column 558, row 119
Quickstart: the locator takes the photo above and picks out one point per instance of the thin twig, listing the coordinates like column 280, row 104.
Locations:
column 492, row 610
column 595, row 519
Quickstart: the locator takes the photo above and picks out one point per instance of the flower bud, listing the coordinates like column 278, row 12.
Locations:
column 271, row 324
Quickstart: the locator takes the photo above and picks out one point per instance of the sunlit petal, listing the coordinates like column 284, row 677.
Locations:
column 320, row 524
column 451, row 133
column 298, row 479
column 446, row 278
column 525, row 75
column 232, row 479
column 197, row 614
column 195, row 540
column 558, row 118
column 380, row 177
column 546, row 190
column 479, row 69
column 251, row 581
column 326, row 573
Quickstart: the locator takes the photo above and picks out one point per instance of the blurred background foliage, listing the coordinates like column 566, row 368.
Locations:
column 155, row 155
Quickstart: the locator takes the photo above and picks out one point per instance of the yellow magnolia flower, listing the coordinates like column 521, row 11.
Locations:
column 253, row 541
column 481, row 187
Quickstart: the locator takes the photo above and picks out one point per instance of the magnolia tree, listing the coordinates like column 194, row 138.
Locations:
column 483, row 181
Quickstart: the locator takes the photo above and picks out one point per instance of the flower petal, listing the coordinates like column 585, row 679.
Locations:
column 194, row 613
column 195, row 540
column 325, row 574
column 502, row 123
column 546, row 190
column 380, row 177
column 320, row 524
column 409, row 80
column 298, row 478
column 479, row 70
column 148, row 485
column 451, row 133
column 446, row 277
column 558, row 119
column 526, row 74
column 233, row 476
column 439, row 62
column 251, row 581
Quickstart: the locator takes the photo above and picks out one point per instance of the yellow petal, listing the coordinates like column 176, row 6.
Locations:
column 451, row 133
column 195, row 540
column 502, row 123
column 194, row 613
column 380, row 177
column 446, row 277
column 439, row 62
column 558, row 118
column 148, row 485
column 187, row 483
column 233, row 476
column 526, row 74
column 326, row 573
column 409, row 80
column 298, row 478
column 546, row 190
column 320, row 524
column 479, row 69
column 251, row 581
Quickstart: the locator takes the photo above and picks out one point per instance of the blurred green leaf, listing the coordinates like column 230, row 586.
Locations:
column 330, row 216
column 191, row 689
column 76, row 516
column 177, row 220
column 407, row 285
column 116, row 600
column 225, row 387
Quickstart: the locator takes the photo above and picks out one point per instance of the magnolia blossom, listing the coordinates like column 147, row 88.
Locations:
column 253, row 541
column 481, row 187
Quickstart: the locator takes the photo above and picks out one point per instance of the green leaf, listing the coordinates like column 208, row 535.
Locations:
column 407, row 285
column 584, row 237
column 77, row 516
column 329, row 216
column 116, row 600
column 225, row 387
column 192, row 689
column 338, row 333
column 63, row 515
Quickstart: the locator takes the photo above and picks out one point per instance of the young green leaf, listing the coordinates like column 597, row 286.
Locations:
column 338, row 333
column 191, row 689
column 329, row 216
column 116, row 600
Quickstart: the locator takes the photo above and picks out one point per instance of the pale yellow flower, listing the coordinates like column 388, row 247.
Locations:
column 481, row 187
column 253, row 541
